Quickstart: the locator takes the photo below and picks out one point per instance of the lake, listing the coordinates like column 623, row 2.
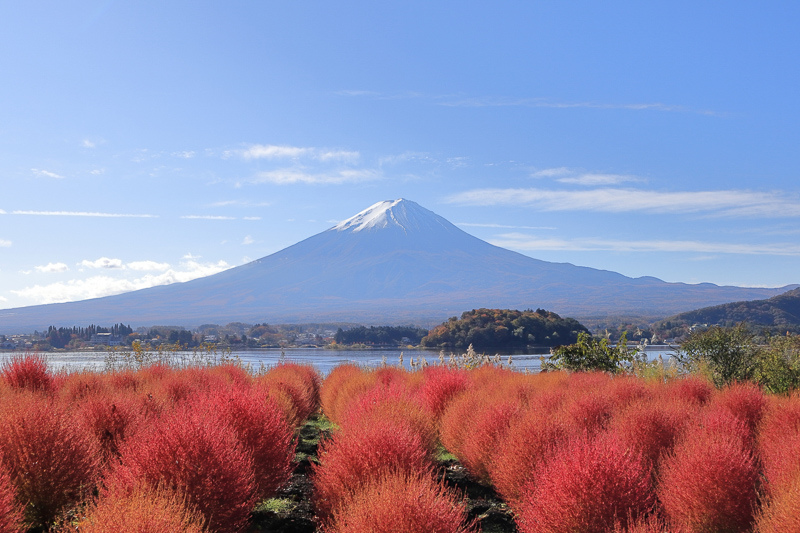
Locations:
column 323, row 360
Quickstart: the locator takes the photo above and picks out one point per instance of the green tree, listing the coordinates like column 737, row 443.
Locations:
column 778, row 365
column 590, row 353
column 727, row 354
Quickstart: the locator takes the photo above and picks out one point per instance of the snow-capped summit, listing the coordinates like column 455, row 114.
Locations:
column 400, row 213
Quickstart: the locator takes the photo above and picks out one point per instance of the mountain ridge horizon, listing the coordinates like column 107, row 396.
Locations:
column 394, row 262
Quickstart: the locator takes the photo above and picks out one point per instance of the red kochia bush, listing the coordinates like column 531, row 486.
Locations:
column 51, row 462
column 110, row 418
column 488, row 427
column 439, row 386
column 144, row 510
column 300, row 382
column 779, row 442
column 587, row 487
column 744, row 401
column 192, row 451
column 782, row 512
column 529, row 441
column 362, row 452
column 708, row 482
column 260, row 428
column 343, row 384
column 27, row 371
column 401, row 502
column 10, row 515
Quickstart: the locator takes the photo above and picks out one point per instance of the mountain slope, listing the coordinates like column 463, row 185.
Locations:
column 780, row 313
column 395, row 262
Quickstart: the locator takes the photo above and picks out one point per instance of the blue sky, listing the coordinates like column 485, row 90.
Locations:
column 149, row 142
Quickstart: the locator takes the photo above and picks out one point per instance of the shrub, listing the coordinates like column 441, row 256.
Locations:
column 192, row 451
column 587, row 487
column 708, row 482
column 745, row 401
column 689, row 388
column 530, row 440
column 782, row 512
column 10, row 514
column 261, row 430
column 439, row 386
column 343, row 383
column 589, row 411
column 394, row 502
column 300, row 382
column 51, row 462
column 28, row 372
column 589, row 354
column 110, row 419
column 144, row 510
column 488, row 427
column 651, row 427
column 362, row 452
column 729, row 354
column 778, row 443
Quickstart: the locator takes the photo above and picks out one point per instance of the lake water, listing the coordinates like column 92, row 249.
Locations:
column 323, row 360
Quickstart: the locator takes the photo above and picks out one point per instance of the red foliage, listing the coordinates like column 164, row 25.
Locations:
column 745, row 401
column 651, row 427
column 110, row 419
column 28, row 372
column 260, row 428
column 343, row 383
column 300, row 382
column 10, row 514
column 488, row 427
column 529, row 441
column 362, row 452
column 782, row 512
column 589, row 411
column 51, row 462
column 708, row 483
column 143, row 510
column 192, row 451
column 689, row 388
column 439, row 386
column 401, row 502
column 587, row 487
column 779, row 442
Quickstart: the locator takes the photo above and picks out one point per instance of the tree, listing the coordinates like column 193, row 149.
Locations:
column 589, row 353
column 727, row 354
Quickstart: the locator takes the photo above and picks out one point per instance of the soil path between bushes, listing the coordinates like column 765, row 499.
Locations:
column 292, row 511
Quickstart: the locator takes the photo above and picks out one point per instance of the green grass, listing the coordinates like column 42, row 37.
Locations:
column 277, row 505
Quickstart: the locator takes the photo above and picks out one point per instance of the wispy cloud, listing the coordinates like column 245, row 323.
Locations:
column 105, row 285
column 103, row 262
column 4, row 243
column 207, row 217
column 82, row 214
column 519, row 241
column 251, row 218
column 185, row 154
column 52, row 267
column 272, row 151
column 245, row 203
column 88, row 143
column 337, row 177
column 46, row 174
column 594, row 180
column 460, row 100
column 248, row 240
column 740, row 203
column 501, row 226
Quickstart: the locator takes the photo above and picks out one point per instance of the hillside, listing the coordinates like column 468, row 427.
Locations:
column 778, row 314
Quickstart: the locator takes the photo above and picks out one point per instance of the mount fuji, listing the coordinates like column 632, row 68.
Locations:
column 395, row 262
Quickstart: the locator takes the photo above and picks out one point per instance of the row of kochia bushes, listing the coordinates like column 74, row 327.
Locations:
column 163, row 449
column 570, row 453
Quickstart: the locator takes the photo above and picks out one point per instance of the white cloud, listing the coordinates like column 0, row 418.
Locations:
column 725, row 202
column 81, row 214
column 248, row 240
column 207, row 217
column 86, row 143
column 147, row 265
column 103, row 262
column 3, row 299
column 2, row 212
column 251, row 218
column 519, row 241
column 52, row 267
column 552, row 172
column 598, row 179
column 4, row 243
column 501, row 226
column 290, row 176
column 97, row 172
column 98, row 286
column 186, row 154
column 46, row 174
column 272, row 151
